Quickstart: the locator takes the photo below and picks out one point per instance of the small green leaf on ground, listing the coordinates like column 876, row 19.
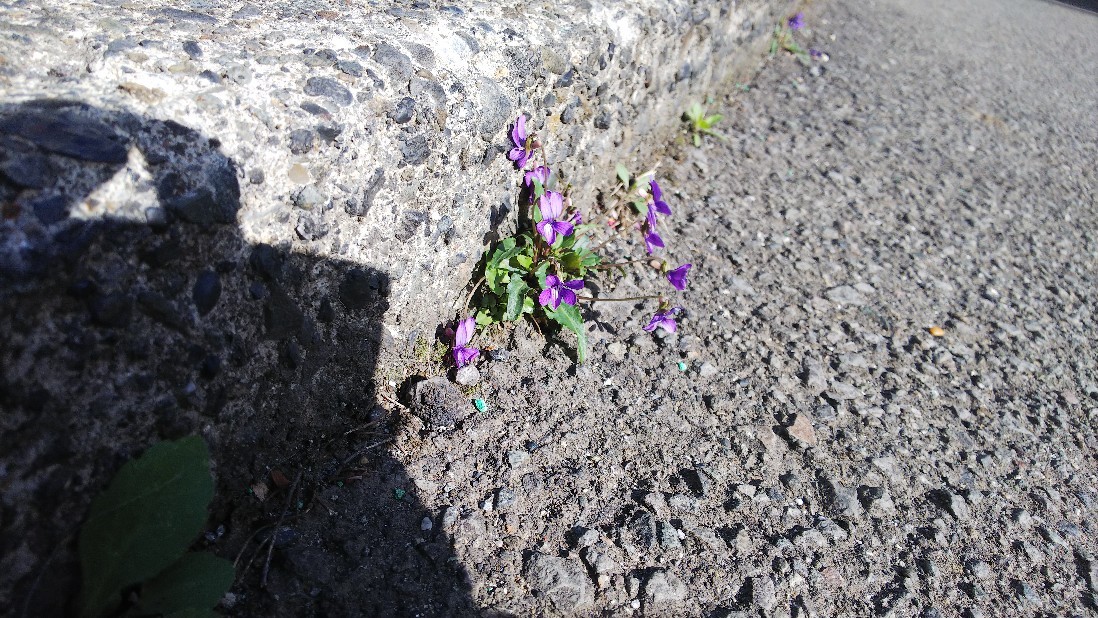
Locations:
column 153, row 509
column 623, row 175
column 198, row 580
column 569, row 317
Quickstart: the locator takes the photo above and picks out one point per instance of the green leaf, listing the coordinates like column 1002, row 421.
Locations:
column 193, row 613
column 153, row 509
column 695, row 112
column 697, row 140
column 538, row 189
column 516, row 292
column 484, row 318
column 623, row 174
column 540, row 273
column 527, row 305
column 505, row 251
column 524, row 261
column 569, row 317
column 198, row 580
column 491, row 278
column 570, row 262
column 590, row 258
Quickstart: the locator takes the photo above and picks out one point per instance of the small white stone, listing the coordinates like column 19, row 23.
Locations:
column 426, row 524
column 467, row 376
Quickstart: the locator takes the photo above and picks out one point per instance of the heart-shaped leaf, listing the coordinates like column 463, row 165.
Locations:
column 143, row 522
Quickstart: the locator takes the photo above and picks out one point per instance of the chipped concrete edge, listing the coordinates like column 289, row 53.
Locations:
column 377, row 135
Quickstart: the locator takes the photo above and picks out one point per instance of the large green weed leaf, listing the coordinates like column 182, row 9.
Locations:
column 197, row 581
column 569, row 317
column 516, row 294
column 143, row 522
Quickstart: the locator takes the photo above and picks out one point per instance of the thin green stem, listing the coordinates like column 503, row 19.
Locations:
column 616, row 265
column 592, row 300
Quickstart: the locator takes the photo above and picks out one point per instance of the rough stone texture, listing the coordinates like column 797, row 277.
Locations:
column 393, row 116
column 925, row 167
column 562, row 581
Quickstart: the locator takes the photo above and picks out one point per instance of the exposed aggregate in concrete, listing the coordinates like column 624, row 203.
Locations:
column 823, row 453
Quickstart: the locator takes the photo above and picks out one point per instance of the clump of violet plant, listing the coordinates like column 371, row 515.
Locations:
column 784, row 39
column 541, row 272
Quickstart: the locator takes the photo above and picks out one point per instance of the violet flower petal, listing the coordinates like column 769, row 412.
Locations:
column 677, row 277
column 568, row 296
column 563, row 228
column 574, row 284
column 464, row 333
column 545, row 297
column 545, row 228
column 661, row 319
column 796, row 22
column 551, row 204
column 539, row 173
column 518, row 134
column 463, row 356
column 652, row 241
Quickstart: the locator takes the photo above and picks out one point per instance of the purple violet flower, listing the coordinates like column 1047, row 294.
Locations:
column 677, row 277
column 652, row 241
column 519, row 154
column 557, row 291
column 552, row 209
column 540, row 173
column 577, row 218
column 657, row 200
column 664, row 320
column 464, row 355
column 796, row 22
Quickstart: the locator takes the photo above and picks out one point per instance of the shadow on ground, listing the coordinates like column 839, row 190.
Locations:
column 134, row 311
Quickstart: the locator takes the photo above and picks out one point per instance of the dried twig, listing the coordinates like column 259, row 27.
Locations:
column 367, row 425
column 391, row 400
column 469, row 298
column 281, row 518
column 362, row 451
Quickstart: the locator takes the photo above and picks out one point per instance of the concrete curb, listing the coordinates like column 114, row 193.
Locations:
column 376, row 134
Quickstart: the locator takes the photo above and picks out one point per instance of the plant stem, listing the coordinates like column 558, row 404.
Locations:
column 611, row 300
column 281, row 518
column 470, row 296
column 617, row 264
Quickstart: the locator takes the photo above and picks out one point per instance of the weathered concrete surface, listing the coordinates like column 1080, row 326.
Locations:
column 373, row 133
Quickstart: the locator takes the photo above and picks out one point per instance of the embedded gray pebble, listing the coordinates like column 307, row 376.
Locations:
column 403, row 110
column 329, row 89
column 564, row 582
column 664, row 587
column 206, row 291
column 439, row 403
